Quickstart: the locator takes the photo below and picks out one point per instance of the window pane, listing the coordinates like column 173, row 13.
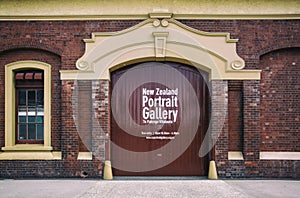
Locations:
column 22, row 111
column 40, row 119
column 40, row 131
column 31, row 98
column 22, row 118
column 22, row 131
column 31, row 111
column 40, row 97
column 31, row 131
column 22, row 97
column 29, row 107
column 31, row 118
column 40, row 111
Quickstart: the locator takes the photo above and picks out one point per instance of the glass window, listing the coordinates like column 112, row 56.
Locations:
column 30, row 115
column 30, row 109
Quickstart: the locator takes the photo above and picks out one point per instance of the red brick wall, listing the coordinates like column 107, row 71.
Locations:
column 60, row 43
column 256, row 37
column 280, row 100
column 84, row 114
column 64, row 38
column 219, row 124
column 251, row 127
column 235, row 116
column 70, row 139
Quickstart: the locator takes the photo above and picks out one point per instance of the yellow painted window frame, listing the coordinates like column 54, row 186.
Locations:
column 10, row 143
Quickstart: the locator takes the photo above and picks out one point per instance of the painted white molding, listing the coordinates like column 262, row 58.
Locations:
column 161, row 39
column 279, row 155
column 31, row 155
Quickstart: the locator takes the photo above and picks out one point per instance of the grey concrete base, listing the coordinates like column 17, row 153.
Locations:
column 45, row 188
column 164, row 188
column 267, row 188
column 155, row 187
column 149, row 178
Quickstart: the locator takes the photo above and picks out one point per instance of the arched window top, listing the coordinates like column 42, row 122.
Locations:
column 27, row 71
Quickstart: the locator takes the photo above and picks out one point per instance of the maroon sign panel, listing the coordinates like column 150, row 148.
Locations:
column 160, row 115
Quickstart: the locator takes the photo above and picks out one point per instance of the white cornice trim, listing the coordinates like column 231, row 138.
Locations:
column 138, row 9
column 145, row 16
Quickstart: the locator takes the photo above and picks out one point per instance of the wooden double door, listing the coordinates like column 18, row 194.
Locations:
column 159, row 117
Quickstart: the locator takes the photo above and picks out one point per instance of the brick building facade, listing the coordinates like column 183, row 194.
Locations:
column 260, row 134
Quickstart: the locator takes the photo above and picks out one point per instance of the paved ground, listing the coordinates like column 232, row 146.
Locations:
column 149, row 188
column 267, row 188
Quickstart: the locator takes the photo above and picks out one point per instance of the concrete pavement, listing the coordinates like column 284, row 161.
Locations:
column 149, row 188
column 267, row 188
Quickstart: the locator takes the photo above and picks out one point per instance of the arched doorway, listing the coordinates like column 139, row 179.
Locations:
column 160, row 115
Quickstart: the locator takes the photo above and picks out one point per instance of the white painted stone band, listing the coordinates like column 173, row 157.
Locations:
column 267, row 155
column 279, row 155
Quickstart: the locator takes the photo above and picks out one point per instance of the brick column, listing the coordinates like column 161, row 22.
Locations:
column 251, row 127
column 69, row 137
column 101, row 119
column 82, row 103
column 219, row 129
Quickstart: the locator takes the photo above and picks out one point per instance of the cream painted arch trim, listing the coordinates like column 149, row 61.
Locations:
column 161, row 38
column 10, row 146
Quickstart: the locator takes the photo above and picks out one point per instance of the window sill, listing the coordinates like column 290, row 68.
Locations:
column 29, row 152
column 235, row 155
column 279, row 155
column 85, row 156
column 27, row 147
column 30, row 155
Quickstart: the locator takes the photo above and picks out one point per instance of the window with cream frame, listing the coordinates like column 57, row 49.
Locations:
column 11, row 143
